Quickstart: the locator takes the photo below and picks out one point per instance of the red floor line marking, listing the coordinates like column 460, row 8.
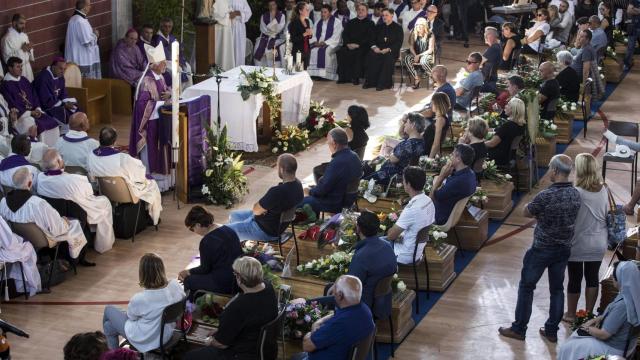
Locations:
column 522, row 228
column 66, row 303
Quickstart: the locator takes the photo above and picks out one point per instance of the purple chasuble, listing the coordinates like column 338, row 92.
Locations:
column 20, row 95
column 266, row 43
column 412, row 23
column 400, row 9
column 13, row 161
column 105, row 151
column 327, row 35
column 127, row 63
column 146, row 132
column 50, row 91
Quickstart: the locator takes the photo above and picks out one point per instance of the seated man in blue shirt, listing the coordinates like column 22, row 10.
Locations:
column 372, row 261
column 345, row 167
column 456, row 181
column 464, row 87
column 333, row 336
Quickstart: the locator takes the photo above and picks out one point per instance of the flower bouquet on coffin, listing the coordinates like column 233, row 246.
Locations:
column 300, row 316
column 428, row 185
column 434, row 164
column 263, row 253
column 565, row 107
column 490, row 172
column 479, row 198
column 493, row 119
column 437, row 237
column 291, row 139
column 258, row 82
column 486, row 101
column 320, row 120
column 397, row 285
column 387, row 220
column 547, row 128
column 328, row 267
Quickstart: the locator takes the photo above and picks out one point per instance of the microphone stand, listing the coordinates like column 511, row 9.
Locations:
column 215, row 71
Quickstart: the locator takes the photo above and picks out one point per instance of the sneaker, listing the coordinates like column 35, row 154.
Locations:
column 508, row 332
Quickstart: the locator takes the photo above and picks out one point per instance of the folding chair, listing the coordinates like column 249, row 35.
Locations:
column 454, row 218
column 622, row 128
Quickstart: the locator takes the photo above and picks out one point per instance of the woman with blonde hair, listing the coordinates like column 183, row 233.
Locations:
column 140, row 324
column 500, row 144
column 421, row 48
column 589, row 241
column 436, row 130
column 243, row 317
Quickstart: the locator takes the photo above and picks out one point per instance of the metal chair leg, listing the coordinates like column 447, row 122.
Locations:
column 24, row 283
column 415, row 276
column 55, row 258
column 280, row 246
column 135, row 226
column 426, row 268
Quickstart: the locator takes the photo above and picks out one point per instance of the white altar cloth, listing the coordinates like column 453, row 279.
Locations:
column 240, row 116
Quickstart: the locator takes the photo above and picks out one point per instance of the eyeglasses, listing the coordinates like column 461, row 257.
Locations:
column 540, row 14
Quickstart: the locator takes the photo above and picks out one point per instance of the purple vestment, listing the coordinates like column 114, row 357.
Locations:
column 322, row 51
column 266, row 43
column 51, row 91
column 21, row 95
column 141, row 44
column 145, row 131
column 127, row 63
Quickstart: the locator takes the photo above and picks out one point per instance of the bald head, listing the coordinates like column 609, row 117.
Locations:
column 287, row 165
column 51, row 160
column 547, row 70
column 22, row 179
column 79, row 122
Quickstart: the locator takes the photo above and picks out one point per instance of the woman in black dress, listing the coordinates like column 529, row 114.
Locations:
column 300, row 32
column 510, row 42
column 436, row 131
column 358, row 119
column 586, row 8
column 218, row 249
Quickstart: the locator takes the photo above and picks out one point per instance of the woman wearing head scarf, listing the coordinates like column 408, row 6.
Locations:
column 609, row 333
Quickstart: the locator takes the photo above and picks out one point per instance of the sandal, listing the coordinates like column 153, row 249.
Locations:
column 416, row 84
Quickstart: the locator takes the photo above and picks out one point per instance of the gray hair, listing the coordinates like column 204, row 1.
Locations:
column 21, row 178
column 351, row 288
column 339, row 136
column 564, row 57
column 562, row 164
column 51, row 159
column 491, row 29
column 417, row 120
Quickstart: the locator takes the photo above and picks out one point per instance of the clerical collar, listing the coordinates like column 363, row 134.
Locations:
column 9, row 77
column 80, row 13
column 156, row 76
column 145, row 41
column 53, row 172
column 162, row 35
column 105, row 151
column 51, row 72
column 16, row 198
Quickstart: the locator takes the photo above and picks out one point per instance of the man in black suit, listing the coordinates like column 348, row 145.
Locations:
column 384, row 53
column 436, row 29
column 356, row 38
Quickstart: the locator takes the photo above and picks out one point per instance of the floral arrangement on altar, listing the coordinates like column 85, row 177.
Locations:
column 620, row 37
column 300, row 316
column 437, row 236
column 320, row 120
column 224, row 181
column 433, row 164
column 479, row 197
column 263, row 253
column 493, row 119
column 582, row 316
column 547, row 128
column 387, row 220
column 328, row 267
column 291, row 139
column 258, row 82
column 397, row 285
column 490, row 172
column 563, row 106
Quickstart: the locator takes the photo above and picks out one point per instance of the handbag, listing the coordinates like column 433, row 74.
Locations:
column 616, row 222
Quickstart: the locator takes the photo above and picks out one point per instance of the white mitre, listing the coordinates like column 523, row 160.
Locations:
column 155, row 55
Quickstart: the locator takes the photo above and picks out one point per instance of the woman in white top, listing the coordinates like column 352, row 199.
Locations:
column 140, row 324
column 590, row 236
column 533, row 35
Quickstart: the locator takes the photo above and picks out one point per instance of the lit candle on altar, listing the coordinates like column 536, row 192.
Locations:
column 298, row 58
column 175, row 96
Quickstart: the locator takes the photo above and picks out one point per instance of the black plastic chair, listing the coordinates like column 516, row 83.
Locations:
column 512, row 168
column 351, row 193
column 272, row 330
column 475, row 95
column 383, row 288
column 622, row 128
column 172, row 314
column 287, row 217
column 360, row 350
column 515, row 58
column 585, row 104
column 421, row 238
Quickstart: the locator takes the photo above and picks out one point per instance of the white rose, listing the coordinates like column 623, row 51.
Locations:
column 208, row 172
column 395, row 276
column 507, row 176
column 553, row 126
column 474, row 198
column 402, row 286
column 547, row 122
column 205, row 189
column 274, row 150
column 564, row 107
column 308, row 265
column 484, row 198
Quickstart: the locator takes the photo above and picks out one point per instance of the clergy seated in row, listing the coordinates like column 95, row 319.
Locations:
column 271, row 28
column 144, row 140
column 17, row 159
column 15, row 43
column 345, row 167
column 127, row 61
column 384, row 52
column 55, row 183
column 14, row 249
column 315, row 14
column 81, row 42
column 165, row 37
column 341, row 11
column 375, row 14
column 21, row 206
column 108, row 161
column 357, row 38
column 324, row 44
column 20, row 95
column 409, row 18
column 75, row 146
column 146, row 34
column 27, row 126
column 52, row 93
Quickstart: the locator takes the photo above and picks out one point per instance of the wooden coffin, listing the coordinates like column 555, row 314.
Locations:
column 545, row 150
column 304, row 286
column 612, row 69
column 499, row 202
column 441, row 271
column 307, row 249
column 385, row 205
column 564, row 123
column 472, row 229
column 401, row 311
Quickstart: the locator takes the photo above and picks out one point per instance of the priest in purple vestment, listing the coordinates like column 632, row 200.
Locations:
column 166, row 38
column 152, row 92
column 52, row 92
column 20, row 95
column 127, row 62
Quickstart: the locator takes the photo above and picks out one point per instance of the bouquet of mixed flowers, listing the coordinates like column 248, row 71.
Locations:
column 263, row 253
column 437, row 236
column 291, row 139
column 347, row 229
column 398, row 285
column 479, row 197
column 563, row 106
column 387, row 220
column 328, row 267
column 320, row 120
column 258, row 82
column 490, row 172
column 486, row 101
column 493, row 119
column 620, row 37
column 547, row 128
column 582, row 316
column 300, row 316
column 530, row 75
column 224, row 181
column 433, row 164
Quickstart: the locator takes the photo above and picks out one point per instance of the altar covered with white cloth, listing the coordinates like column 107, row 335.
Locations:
column 240, row 116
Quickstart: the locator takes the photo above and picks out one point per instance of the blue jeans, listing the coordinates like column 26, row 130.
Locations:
column 631, row 47
column 113, row 321
column 535, row 261
column 244, row 224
